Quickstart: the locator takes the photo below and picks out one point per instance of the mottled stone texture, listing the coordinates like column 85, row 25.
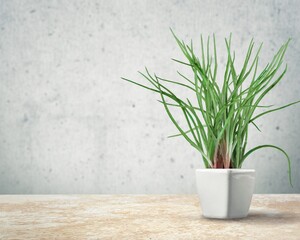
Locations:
column 142, row 217
column 68, row 124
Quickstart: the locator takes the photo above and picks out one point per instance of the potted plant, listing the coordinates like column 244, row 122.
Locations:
column 218, row 119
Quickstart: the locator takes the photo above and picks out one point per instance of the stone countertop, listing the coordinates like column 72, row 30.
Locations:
column 142, row 217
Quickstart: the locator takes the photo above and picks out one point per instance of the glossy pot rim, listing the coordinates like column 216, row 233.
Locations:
column 222, row 170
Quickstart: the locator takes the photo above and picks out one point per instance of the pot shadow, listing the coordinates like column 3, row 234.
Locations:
column 261, row 217
column 272, row 217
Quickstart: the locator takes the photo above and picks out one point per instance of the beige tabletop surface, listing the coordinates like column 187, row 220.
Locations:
column 142, row 217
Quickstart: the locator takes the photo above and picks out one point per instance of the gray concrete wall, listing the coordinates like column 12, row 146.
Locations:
column 68, row 124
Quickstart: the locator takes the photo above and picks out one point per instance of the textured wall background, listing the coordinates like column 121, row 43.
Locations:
column 68, row 124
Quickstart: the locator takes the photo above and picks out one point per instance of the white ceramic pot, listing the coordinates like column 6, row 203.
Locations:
column 225, row 193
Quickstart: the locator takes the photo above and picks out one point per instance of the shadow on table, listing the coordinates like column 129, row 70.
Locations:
column 263, row 217
column 272, row 217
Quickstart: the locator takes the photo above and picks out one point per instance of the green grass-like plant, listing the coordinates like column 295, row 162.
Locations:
column 218, row 124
